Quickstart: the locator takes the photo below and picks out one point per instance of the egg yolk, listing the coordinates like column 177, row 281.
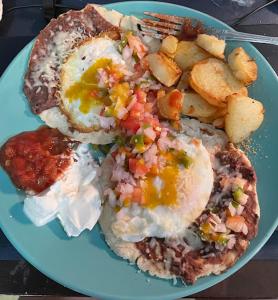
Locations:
column 164, row 195
column 119, row 96
column 87, row 89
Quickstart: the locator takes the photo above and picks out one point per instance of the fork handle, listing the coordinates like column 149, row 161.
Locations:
column 248, row 37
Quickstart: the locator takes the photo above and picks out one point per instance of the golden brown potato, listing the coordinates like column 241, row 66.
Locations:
column 217, row 119
column 170, row 105
column 169, row 46
column 244, row 116
column 214, row 81
column 243, row 66
column 183, row 83
column 163, row 68
column 188, row 54
column 211, row 44
column 195, row 106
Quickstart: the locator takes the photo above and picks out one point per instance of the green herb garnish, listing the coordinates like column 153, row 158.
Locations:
column 237, row 194
column 122, row 44
column 184, row 159
column 120, row 140
column 138, row 140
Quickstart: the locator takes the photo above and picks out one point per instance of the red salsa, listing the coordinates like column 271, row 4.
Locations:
column 34, row 160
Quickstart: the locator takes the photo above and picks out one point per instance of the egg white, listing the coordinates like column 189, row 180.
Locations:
column 77, row 63
column 194, row 186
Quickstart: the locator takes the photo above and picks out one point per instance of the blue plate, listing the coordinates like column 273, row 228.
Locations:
column 86, row 264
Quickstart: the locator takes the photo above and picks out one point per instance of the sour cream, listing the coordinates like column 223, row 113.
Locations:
column 74, row 199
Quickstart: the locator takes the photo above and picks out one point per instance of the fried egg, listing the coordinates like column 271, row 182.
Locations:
column 86, row 77
column 173, row 199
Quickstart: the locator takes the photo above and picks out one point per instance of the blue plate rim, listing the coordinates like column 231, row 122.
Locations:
column 181, row 293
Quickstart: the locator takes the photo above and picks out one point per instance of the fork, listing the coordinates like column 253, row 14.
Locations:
column 173, row 25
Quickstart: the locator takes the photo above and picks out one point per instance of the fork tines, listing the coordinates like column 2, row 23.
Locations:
column 166, row 25
column 169, row 18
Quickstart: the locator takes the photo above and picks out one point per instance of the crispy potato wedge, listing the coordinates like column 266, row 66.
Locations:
column 169, row 45
column 244, row 116
column 195, row 106
column 183, row 83
column 188, row 54
column 212, row 45
column 214, row 81
column 217, row 119
column 170, row 105
column 243, row 66
column 163, row 68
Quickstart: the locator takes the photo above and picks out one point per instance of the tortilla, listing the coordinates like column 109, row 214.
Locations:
column 51, row 49
column 174, row 259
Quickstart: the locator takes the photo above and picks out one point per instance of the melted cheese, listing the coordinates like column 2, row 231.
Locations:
column 52, row 58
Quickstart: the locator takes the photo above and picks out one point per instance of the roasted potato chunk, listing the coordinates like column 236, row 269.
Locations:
column 243, row 66
column 188, row 54
column 211, row 44
column 217, row 119
column 170, row 105
column 183, row 82
column 169, row 46
column 163, row 68
column 244, row 116
column 195, row 106
column 214, row 81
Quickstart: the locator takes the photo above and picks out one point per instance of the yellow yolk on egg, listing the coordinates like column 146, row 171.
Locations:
column 119, row 96
column 87, row 89
column 162, row 188
column 170, row 198
column 164, row 195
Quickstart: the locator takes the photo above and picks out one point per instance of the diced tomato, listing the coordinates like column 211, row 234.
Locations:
column 137, row 195
column 136, row 45
column 138, row 107
column 137, row 166
column 132, row 164
column 140, row 95
column 134, row 114
column 130, row 124
column 141, row 169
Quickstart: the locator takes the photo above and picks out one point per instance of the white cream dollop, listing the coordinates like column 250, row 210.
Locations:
column 74, row 198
